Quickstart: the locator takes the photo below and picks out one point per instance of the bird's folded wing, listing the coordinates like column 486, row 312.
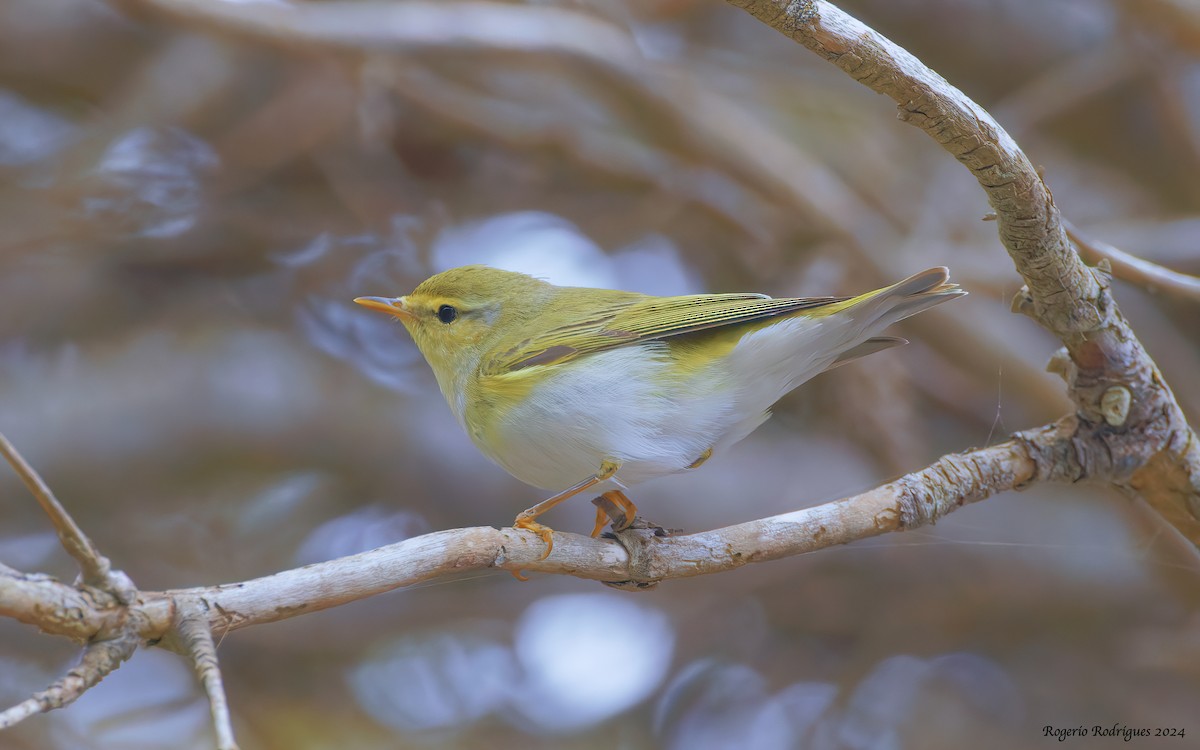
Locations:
column 626, row 322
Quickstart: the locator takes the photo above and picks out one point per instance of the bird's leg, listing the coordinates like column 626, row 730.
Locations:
column 526, row 519
column 616, row 506
column 608, row 505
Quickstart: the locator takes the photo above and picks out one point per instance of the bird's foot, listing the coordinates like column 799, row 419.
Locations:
column 543, row 531
column 642, row 524
column 614, row 506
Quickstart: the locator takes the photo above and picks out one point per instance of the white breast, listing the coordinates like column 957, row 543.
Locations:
column 610, row 405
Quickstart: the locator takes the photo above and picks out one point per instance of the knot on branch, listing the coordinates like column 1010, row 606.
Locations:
column 639, row 541
column 1114, row 405
column 1073, row 313
column 788, row 18
column 1055, row 452
column 913, row 504
column 800, row 12
column 928, row 495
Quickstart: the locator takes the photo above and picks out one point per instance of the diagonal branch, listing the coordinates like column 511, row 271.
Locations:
column 95, row 567
column 639, row 559
column 1064, row 290
column 1130, row 429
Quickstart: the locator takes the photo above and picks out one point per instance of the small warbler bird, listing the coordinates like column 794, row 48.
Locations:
column 573, row 389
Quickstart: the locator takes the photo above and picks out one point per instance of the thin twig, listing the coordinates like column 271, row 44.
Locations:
column 94, row 567
column 1133, row 269
column 410, row 26
column 98, row 661
column 196, row 634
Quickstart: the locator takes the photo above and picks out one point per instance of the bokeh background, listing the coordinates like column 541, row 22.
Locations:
column 187, row 207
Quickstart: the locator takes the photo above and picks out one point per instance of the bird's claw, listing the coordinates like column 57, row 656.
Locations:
column 545, row 533
column 614, row 505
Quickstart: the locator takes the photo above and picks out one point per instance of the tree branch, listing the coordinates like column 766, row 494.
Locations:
column 193, row 629
column 98, row 661
column 1064, row 290
column 94, row 567
column 75, row 612
column 1144, row 446
column 388, row 27
column 1127, row 431
column 640, row 558
column 185, row 619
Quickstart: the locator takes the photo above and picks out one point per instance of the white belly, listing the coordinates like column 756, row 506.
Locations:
column 604, row 407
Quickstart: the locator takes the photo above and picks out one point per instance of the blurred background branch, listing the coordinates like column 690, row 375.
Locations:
column 1131, row 268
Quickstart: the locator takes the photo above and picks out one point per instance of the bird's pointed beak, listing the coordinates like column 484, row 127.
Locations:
column 395, row 306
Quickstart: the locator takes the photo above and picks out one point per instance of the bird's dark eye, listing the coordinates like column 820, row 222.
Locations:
column 447, row 313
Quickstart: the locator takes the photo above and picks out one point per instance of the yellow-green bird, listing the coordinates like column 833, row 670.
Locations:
column 571, row 389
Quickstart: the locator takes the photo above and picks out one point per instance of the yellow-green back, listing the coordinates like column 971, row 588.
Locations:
column 504, row 322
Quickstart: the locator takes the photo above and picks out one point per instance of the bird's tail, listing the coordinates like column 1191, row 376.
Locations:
column 875, row 311
column 915, row 294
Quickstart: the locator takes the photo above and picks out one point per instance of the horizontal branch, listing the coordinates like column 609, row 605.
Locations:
column 640, row 558
column 79, row 613
column 186, row 619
